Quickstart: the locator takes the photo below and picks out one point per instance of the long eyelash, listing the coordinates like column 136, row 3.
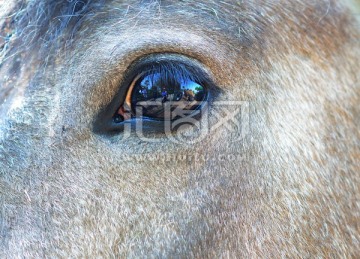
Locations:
column 172, row 73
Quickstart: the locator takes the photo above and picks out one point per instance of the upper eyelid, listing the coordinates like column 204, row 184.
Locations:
column 181, row 64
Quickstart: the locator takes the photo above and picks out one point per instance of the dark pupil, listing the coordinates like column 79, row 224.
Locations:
column 166, row 98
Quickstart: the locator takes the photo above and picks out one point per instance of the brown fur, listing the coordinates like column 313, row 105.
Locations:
column 289, row 188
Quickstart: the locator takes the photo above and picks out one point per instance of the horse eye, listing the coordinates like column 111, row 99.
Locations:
column 162, row 93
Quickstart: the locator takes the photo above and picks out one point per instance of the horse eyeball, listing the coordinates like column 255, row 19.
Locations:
column 162, row 93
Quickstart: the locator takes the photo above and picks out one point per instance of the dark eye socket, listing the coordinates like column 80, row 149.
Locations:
column 162, row 92
column 157, row 91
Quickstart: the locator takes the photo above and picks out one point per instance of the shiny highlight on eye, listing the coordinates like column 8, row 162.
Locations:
column 163, row 91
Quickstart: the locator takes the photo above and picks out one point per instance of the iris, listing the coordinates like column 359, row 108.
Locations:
column 163, row 92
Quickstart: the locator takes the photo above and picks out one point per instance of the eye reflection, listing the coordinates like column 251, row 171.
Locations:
column 161, row 96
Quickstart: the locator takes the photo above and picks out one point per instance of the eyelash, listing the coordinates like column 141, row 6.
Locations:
column 170, row 71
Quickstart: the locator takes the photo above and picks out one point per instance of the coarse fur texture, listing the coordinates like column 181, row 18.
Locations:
column 289, row 188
